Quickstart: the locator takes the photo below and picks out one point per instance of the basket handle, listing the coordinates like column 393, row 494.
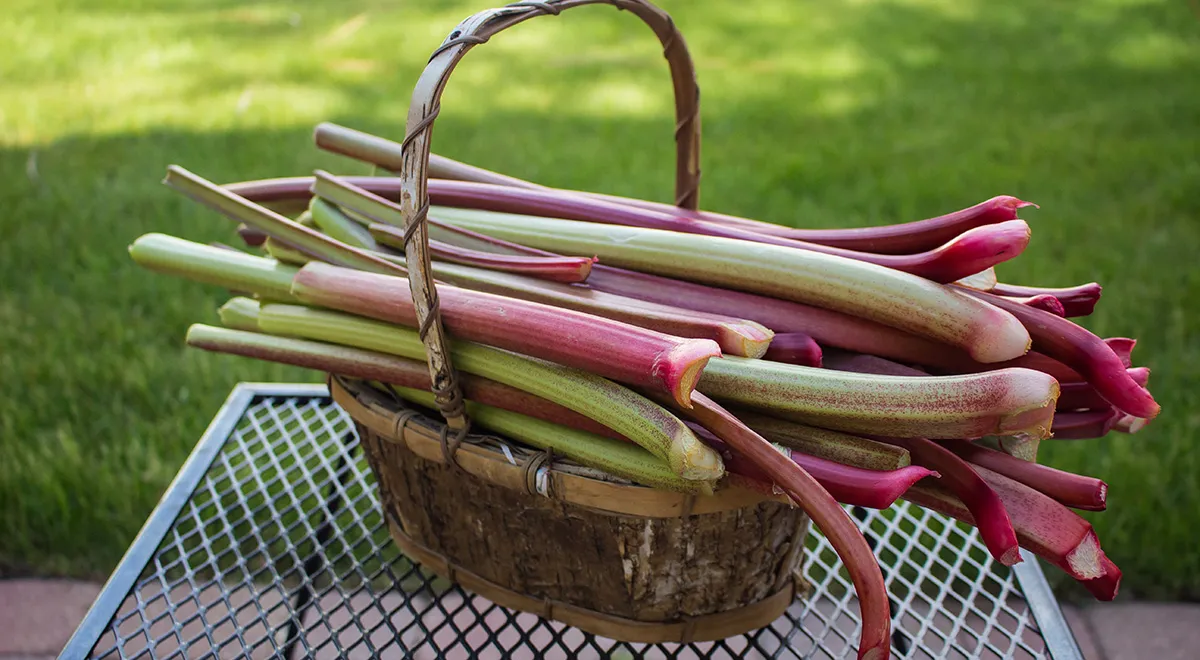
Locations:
column 414, row 193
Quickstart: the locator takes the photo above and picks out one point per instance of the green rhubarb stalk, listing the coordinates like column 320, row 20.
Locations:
column 289, row 231
column 831, row 445
column 336, row 224
column 1003, row 402
column 618, row 408
column 240, row 314
column 615, row 457
column 229, row 269
column 881, row 294
column 284, row 254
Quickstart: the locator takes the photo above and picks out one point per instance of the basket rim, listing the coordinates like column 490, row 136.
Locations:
column 422, row 436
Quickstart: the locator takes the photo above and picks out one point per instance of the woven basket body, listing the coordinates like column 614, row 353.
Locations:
column 566, row 542
column 619, row 560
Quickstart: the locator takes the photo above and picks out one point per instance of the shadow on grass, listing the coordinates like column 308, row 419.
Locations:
column 814, row 114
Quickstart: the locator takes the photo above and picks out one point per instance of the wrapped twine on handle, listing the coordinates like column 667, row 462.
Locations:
column 413, row 167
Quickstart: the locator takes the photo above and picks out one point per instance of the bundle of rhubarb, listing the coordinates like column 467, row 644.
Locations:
column 694, row 351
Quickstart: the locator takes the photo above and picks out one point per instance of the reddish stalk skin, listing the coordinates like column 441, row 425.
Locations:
column 1081, row 350
column 1123, row 348
column 1073, row 490
column 1081, row 396
column 1076, row 300
column 847, row 484
column 1086, row 424
column 395, row 370
column 602, row 346
column 827, row 327
column 1106, row 586
column 807, row 492
column 794, row 348
column 966, row 254
column 1044, row 302
column 1044, row 527
column 869, row 364
column 987, row 510
column 556, row 269
column 905, row 238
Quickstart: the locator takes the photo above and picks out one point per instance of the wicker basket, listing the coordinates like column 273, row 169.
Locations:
column 511, row 524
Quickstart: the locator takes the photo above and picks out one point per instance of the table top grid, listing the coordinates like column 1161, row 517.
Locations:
column 283, row 528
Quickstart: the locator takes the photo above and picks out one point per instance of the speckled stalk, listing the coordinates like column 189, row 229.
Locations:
column 734, row 336
column 1001, row 402
column 1044, row 527
column 295, row 235
column 824, row 510
column 389, row 230
column 964, row 255
column 960, row 478
column 622, row 459
column 1076, row 300
column 626, row 412
column 1084, row 352
column 371, row 365
column 842, row 448
column 893, row 298
column 1073, row 490
column 605, row 347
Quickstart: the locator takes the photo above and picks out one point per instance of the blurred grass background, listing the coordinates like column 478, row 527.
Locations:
column 814, row 113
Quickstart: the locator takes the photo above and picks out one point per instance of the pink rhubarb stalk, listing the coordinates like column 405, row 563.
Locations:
column 987, row 510
column 1044, row 302
column 602, row 346
column 1076, row 300
column 1122, row 347
column 1044, row 527
column 904, row 238
column 874, row 489
column 794, row 348
column 807, row 492
column 390, row 369
column 1073, row 490
column 735, row 336
column 1081, row 396
column 1083, row 351
column 971, row 252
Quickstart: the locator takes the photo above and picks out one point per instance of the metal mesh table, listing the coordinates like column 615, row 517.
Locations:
column 270, row 542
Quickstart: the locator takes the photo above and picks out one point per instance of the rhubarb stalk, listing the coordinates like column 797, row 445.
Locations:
column 618, row 408
column 831, row 445
column 793, row 348
column 602, row 346
column 1076, row 301
column 1001, row 402
column 1073, row 490
column 854, row 287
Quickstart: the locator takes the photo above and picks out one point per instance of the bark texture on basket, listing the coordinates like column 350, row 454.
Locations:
column 413, row 164
column 649, row 569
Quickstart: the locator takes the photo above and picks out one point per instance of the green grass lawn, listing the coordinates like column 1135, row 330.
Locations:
column 815, row 113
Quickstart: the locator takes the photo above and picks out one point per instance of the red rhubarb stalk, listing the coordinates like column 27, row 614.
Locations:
column 1106, row 586
column 1081, row 396
column 735, row 336
column 1044, row 527
column 602, row 346
column 1076, row 300
column 1085, row 424
column 1122, row 347
column 1083, row 351
column 1073, row 490
column 987, row 510
column 794, row 348
column 1044, row 302
column 869, row 364
column 974, row 250
column 824, row 510
column 390, row 369
column 874, row 489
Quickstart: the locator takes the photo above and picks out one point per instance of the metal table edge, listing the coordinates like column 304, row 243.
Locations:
column 141, row 551
column 1047, row 613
